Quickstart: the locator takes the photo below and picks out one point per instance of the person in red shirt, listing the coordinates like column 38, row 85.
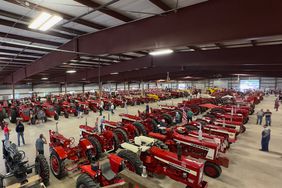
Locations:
column 6, row 132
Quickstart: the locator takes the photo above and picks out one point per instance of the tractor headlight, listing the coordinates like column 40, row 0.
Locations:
column 184, row 175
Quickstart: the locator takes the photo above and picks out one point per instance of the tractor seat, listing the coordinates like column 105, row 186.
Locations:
column 107, row 171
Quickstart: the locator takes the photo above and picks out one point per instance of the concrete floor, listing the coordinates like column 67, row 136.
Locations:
column 248, row 168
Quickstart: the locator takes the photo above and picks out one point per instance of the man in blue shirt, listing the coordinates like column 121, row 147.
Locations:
column 39, row 144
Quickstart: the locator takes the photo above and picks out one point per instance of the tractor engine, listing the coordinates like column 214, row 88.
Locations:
column 14, row 161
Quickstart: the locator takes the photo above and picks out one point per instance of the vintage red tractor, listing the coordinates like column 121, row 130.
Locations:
column 198, row 148
column 107, row 141
column 157, row 160
column 68, row 108
column 50, row 111
column 64, row 156
column 124, row 131
column 144, row 126
column 95, row 175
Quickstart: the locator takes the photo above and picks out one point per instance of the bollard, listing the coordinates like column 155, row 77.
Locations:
column 144, row 172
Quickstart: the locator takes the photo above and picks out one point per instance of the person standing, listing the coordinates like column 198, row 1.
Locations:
column 101, row 108
column 260, row 116
column 20, row 132
column 147, row 109
column 190, row 115
column 102, row 124
column 267, row 115
column 6, row 131
column 39, row 144
column 276, row 104
column 112, row 108
column 265, row 138
column 177, row 117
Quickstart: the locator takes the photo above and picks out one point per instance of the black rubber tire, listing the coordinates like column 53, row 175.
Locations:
column 155, row 125
column 45, row 119
column 85, row 181
column 245, row 120
column 121, row 132
column 61, row 173
column 97, row 146
column 56, row 117
column 216, row 167
column 202, row 122
column 75, row 113
column 86, row 111
column 116, row 142
column 141, row 128
column 168, row 118
column 66, row 114
column 191, row 128
column 6, row 167
column 133, row 159
column 42, row 168
column 243, row 129
column 251, row 112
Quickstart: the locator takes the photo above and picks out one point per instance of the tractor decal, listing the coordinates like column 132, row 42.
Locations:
column 210, row 154
column 177, row 166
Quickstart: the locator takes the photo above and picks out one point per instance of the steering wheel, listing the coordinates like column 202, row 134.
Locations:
column 72, row 140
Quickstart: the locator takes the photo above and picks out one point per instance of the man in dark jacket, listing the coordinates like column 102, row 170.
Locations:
column 267, row 116
column 265, row 138
column 20, row 131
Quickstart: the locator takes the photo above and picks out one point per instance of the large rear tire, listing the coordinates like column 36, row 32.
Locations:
column 85, row 181
column 122, row 135
column 97, row 146
column 42, row 168
column 133, row 162
column 168, row 118
column 141, row 128
column 56, row 117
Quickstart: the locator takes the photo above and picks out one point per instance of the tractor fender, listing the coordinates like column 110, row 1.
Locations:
column 157, row 136
column 85, row 144
column 88, row 170
column 60, row 151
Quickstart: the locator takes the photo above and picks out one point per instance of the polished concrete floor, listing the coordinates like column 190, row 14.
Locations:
column 248, row 168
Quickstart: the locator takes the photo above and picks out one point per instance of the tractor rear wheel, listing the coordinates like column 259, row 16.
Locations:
column 168, row 118
column 122, row 135
column 212, row 170
column 141, row 128
column 133, row 162
column 56, row 117
column 42, row 168
column 202, row 122
column 115, row 142
column 85, row 181
column 245, row 120
column 7, row 167
column 97, row 146
column 57, row 165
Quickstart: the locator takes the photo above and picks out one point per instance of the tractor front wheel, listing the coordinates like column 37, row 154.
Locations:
column 85, row 181
column 243, row 129
column 212, row 170
column 133, row 162
column 66, row 114
column 42, row 168
column 86, row 111
column 57, row 165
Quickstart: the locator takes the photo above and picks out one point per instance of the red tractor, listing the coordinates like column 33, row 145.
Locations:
column 84, row 106
column 95, row 175
column 107, row 141
column 94, row 105
column 66, row 157
column 50, row 111
column 198, row 148
column 124, row 131
column 68, row 108
column 144, row 126
column 152, row 154
column 24, row 112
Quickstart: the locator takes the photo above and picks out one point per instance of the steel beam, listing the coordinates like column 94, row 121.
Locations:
column 180, row 29
column 160, row 4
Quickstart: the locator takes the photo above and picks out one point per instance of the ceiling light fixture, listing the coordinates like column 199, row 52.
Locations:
column 45, row 21
column 71, row 71
column 44, row 78
column 161, row 52
column 113, row 73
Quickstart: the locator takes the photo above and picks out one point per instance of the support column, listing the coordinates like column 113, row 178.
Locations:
column 32, row 89
column 100, row 88
column 124, row 86
column 61, row 88
column 275, row 83
column 128, row 86
column 116, row 86
column 177, row 84
column 142, row 89
column 148, row 85
column 83, row 89
column 13, row 90
column 66, row 86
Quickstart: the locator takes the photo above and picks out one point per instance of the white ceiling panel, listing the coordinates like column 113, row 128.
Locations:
column 182, row 3
column 103, row 19
column 80, row 27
